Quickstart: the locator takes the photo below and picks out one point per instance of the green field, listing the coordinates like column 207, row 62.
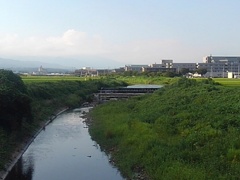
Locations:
column 128, row 79
column 34, row 79
column 228, row 82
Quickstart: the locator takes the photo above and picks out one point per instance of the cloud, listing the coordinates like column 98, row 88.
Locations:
column 71, row 42
column 77, row 43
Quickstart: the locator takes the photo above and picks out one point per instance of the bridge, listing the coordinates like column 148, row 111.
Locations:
column 106, row 94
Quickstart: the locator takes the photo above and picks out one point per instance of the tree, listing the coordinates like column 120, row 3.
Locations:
column 184, row 71
column 14, row 101
column 202, row 71
column 169, row 74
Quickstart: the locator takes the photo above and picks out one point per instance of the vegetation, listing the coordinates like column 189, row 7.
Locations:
column 37, row 79
column 228, row 82
column 187, row 130
column 14, row 101
column 24, row 107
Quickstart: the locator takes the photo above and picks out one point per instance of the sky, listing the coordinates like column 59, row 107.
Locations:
column 123, row 31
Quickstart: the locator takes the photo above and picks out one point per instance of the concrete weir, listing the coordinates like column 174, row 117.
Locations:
column 106, row 94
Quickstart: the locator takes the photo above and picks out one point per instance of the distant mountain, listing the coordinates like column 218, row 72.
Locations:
column 10, row 63
column 30, row 66
column 74, row 62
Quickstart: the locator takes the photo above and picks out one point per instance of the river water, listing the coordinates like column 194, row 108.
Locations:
column 64, row 151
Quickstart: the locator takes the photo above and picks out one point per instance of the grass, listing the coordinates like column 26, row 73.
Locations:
column 228, row 82
column 188, row 130
column 127, row 79
column 36, row 79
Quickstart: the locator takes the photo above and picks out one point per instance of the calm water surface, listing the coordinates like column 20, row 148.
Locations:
column 65, row 151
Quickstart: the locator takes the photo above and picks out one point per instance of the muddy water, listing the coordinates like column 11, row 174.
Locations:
column 64, row 151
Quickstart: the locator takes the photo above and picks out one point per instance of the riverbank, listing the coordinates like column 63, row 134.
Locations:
column 188, row 130
column 22, row 147
column 44, row 99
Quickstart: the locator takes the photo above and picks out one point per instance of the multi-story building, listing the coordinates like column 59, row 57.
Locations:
column 157, row 65
column 180, row 66
column 137, row 68
column 220, row 66
column 221, row 59
column 158, row 69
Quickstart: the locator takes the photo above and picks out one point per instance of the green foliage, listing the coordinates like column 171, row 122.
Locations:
column 202, row 71
column 46, row 99
column 14, row 101
column 187, row 130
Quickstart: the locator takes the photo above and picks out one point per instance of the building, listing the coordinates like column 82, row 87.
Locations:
column 40, row 71
column 86, row 72
column 214, row 69
column 165, row 61
column 119, row 70
column 219, row 66
column 137, row 68
column 233, row 75
column 180, row 66
column 158, row 69
column 157, row 65
column 221, row 59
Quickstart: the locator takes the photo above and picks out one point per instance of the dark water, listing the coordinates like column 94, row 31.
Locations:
column 64, row 151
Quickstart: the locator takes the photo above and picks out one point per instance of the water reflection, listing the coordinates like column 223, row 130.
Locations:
column 64, row 150
column 22, row 170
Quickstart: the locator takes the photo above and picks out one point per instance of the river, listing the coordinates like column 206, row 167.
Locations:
column 64, row 151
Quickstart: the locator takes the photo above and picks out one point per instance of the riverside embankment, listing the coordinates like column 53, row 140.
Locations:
column 15, row 157
column 188, row 130
column 39, row 100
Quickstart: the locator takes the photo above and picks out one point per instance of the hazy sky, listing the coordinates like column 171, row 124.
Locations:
column 127, row 31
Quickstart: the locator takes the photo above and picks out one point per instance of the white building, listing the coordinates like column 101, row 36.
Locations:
column 219, row 66
column 137, row 68
column 221, row 59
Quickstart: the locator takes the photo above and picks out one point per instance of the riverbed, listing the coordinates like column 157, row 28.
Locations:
column 65, row 150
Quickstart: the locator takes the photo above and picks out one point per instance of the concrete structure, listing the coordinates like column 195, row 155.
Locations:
column 165, row 61
column 86, row 72
column 180, row 66
column 119, row 70
column 137, row 68
column 216, row 66
column 214, row 69
column 40, row 71
column 221, row 59
column 233, row 75
column 157, row 65
column 219, row 66
column 106, row 94
column 158, row 69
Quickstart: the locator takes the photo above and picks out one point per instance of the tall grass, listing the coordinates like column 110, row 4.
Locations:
column 187, row 130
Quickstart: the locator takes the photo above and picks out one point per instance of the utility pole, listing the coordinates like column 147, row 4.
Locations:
column 211, row 72
column 238, row 71
column 223, row 70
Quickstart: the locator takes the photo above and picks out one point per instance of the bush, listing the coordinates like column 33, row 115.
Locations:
column 187, row 130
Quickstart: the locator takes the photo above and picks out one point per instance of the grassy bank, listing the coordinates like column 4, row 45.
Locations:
column 187, row 130
column 47, row 98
